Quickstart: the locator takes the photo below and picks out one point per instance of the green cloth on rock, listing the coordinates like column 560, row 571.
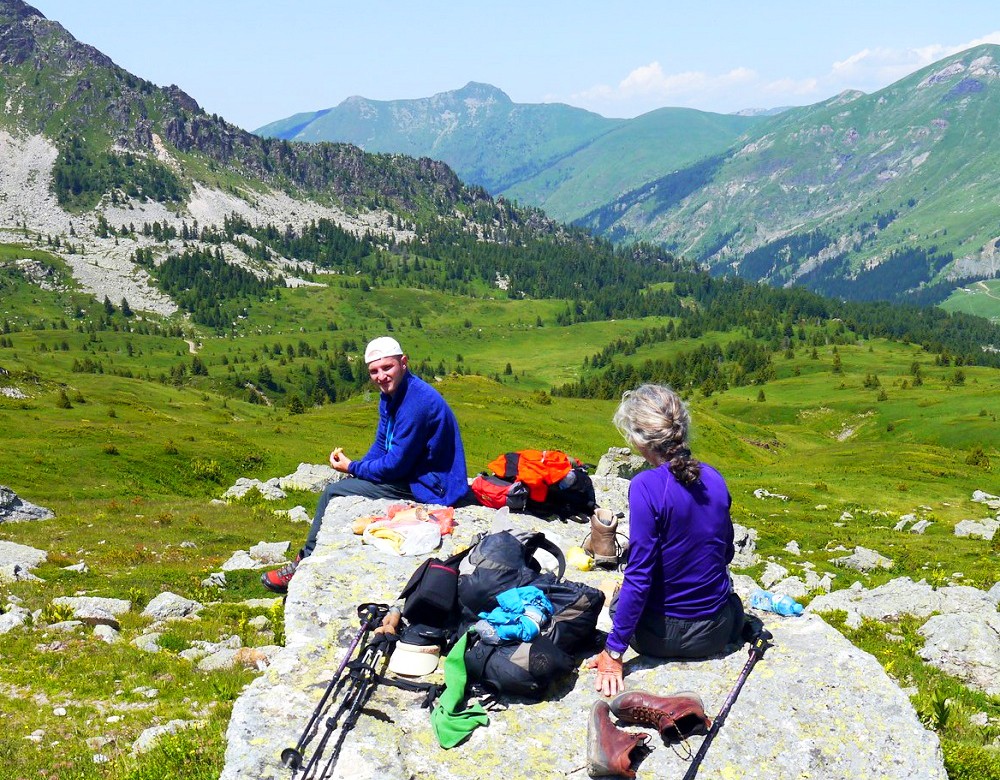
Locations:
column 451, row 725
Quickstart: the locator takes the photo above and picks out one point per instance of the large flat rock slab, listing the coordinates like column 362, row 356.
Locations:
column 815, row 706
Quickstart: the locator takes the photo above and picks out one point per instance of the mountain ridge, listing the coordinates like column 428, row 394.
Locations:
column 876, row 174
column 534, row 153
column 749, row 199
column 91, row 150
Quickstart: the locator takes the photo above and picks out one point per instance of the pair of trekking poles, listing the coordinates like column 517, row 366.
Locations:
column 363, row 674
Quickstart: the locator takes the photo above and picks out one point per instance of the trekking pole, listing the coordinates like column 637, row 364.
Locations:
column 758, row 645
column 365, row 675
column 371, row 616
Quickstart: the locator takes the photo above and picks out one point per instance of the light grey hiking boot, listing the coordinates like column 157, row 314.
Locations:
column 601, row 543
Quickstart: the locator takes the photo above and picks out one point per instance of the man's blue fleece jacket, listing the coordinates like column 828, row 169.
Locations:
column 417, row 442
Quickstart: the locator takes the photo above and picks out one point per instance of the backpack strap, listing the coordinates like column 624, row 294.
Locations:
column 539, row 541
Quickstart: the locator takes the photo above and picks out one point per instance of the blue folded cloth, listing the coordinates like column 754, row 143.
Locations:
column 521, row 614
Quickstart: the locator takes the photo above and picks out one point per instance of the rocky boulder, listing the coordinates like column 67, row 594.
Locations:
column 170, row 606
column 966, row 645
column 863, row 559
column 15, row 509
column 982, row 497
column 806, row 711
column 269, row 490
column 902, row 596
column 619, row 462
column 261, row 555
column 981, row 529
column 17, row 561
column 962, row 634
column 309, row 476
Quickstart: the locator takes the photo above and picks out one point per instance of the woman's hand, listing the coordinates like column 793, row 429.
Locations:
column 609, row 674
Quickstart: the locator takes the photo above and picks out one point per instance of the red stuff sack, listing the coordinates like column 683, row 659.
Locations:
column 495, row 492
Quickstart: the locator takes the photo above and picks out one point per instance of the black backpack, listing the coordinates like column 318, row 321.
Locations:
column 499, row 562
column 572, row 496
column 505, row 560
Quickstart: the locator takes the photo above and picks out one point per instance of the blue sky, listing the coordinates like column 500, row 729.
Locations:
column 256, row 61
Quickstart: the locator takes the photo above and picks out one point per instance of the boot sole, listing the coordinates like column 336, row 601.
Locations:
column 595, row 769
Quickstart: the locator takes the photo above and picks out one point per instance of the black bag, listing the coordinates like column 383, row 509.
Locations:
column 499, row 562
column 519, row 668
column 572, row 495
column 505, row 560
column 431, row 594
column 575, row 610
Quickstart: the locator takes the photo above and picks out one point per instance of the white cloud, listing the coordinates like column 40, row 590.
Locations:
column 872, row 69
column 648, row 86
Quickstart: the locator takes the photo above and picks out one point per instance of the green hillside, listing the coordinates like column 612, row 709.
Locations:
column 888, row 195
column 130, row 456
column 563, row 159
column 638, row 151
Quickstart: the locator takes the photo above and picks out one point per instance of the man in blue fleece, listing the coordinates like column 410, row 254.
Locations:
column 417, row 454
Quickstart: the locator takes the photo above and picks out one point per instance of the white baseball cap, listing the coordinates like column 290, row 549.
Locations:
column 411, row 660
column 382, row 347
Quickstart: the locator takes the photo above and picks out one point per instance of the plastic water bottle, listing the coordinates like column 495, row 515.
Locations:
column 782, row 605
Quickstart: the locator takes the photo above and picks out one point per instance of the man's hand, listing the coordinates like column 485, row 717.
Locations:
column 339, row 461
column 609, row 674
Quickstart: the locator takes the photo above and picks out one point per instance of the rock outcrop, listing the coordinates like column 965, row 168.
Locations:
column 17, row 561
column 13, row 508
column 807, row 710
column 962, row 634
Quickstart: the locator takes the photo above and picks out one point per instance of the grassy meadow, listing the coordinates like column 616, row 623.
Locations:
column 130, row 459
column 981, row 298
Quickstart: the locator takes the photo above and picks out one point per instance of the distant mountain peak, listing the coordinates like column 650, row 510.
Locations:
column 16, row 10
column 26, row 33
column 481, row 91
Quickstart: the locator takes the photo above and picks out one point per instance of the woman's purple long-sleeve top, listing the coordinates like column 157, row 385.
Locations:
column 680, row 545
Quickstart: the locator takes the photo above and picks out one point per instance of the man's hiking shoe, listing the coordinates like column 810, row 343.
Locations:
column 277, row 580
column 609, row 748
column 676, row 717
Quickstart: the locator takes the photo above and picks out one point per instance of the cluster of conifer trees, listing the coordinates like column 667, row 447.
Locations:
column 81, row 174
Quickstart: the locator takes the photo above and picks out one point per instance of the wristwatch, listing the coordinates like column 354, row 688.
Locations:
column 615, row 655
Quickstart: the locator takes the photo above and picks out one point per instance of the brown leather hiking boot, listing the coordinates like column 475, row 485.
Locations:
column 609, row 749
column 600, row 543
column 676, row 717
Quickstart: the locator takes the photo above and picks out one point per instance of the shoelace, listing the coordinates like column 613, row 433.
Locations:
column 287, row 570
column 647, row 716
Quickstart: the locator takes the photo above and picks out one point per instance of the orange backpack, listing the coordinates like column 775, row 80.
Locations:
column 536, row 469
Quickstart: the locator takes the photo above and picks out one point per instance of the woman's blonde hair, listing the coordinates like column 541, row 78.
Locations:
column 654, row 419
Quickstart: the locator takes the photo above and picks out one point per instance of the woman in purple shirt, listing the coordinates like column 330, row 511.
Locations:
column 676, row 600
